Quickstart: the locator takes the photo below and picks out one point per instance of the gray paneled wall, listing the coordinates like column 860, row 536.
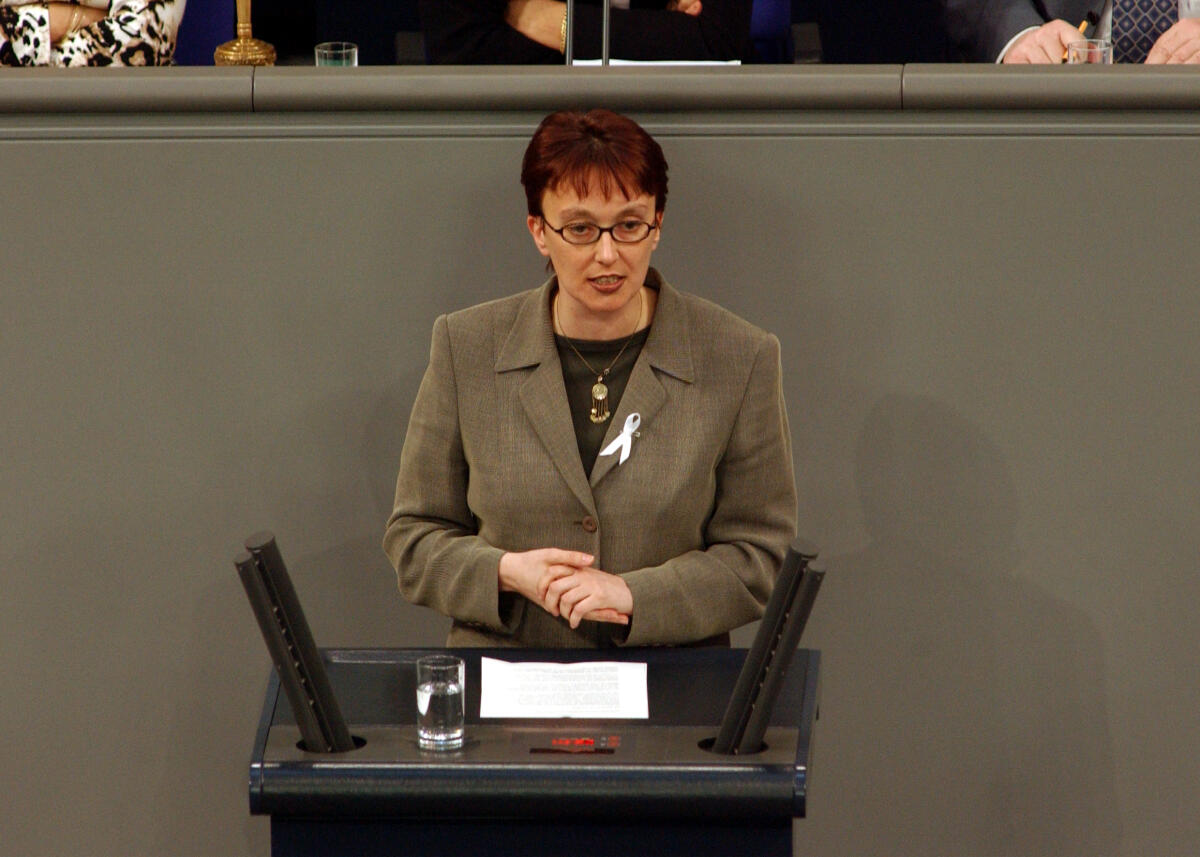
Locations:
column 215, row 323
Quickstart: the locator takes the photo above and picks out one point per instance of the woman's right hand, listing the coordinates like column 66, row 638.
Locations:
column 530, row 573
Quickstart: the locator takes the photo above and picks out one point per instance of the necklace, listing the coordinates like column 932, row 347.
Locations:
column 599, row 412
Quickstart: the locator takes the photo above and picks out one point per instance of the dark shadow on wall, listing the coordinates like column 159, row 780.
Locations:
column 964, row 708
column 215, row 689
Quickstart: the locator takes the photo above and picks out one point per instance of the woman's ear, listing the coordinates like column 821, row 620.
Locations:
column 537, row 228
column 658, row 219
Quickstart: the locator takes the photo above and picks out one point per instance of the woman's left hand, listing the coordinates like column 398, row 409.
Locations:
column 589, row 594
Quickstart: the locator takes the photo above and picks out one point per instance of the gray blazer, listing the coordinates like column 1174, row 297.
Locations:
column 696, row 520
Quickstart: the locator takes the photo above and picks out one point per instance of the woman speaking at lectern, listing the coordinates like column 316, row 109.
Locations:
column 602, row 460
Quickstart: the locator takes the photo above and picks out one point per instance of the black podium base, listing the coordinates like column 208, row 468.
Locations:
column 525, row 838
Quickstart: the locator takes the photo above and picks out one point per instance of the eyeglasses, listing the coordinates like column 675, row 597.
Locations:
column 581, row 232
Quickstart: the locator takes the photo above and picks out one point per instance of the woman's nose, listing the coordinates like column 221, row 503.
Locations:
column 606, row 248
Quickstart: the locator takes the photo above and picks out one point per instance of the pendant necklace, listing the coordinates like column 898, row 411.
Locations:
column 599, row 412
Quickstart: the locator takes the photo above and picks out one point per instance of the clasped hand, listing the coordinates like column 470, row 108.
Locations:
column 543, row 22
column 563, row 583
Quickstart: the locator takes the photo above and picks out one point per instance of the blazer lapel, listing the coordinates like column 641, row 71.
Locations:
column 530, row 343
column 668, row 350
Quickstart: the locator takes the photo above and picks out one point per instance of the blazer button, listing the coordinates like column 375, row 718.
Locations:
column 590, row 524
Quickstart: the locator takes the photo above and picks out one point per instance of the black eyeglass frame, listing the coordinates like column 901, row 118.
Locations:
column 650, row 227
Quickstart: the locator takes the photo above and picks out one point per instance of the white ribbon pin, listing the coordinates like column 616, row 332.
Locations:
column 624, row 441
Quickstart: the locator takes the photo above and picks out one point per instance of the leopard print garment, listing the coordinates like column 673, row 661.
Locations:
column 135, row 32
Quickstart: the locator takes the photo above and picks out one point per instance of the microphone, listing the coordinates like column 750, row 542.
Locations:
column 753, row 699
column 569, row 34
column 290, row 642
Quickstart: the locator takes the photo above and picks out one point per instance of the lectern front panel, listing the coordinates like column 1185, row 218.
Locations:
column 656, row 768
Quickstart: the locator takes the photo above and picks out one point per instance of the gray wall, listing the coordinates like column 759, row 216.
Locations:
column 216, row 322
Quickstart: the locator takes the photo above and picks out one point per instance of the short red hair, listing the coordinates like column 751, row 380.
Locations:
column 573, row 149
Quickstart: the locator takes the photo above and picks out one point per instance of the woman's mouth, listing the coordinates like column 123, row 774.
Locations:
column 607, row 282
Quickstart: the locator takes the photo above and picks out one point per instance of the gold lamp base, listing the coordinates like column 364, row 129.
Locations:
column 244, row 50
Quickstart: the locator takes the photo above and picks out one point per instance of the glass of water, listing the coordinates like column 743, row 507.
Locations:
column 1097, row 51
column 336, row 54
column 440, row 689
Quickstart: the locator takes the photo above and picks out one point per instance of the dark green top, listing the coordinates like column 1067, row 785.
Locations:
column 579, row 380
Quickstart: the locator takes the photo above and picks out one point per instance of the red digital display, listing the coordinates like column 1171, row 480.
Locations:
column 584, row 745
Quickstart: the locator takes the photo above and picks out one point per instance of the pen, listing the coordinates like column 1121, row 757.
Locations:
column 1083, row 25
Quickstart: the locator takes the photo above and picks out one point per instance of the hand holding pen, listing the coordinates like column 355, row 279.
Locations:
column 1047, row 44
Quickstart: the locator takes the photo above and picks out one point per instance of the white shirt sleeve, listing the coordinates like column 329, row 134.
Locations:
column 1012, row 42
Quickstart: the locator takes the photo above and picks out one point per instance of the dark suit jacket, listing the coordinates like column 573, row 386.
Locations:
column 468, row 32
column 696, row 520
column 981, row 28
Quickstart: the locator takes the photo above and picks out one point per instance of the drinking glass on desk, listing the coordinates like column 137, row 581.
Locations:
column 440, row 690
column 336, row 53
column 1090, row 51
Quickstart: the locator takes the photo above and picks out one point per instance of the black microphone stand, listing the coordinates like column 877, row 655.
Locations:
column 569, row 41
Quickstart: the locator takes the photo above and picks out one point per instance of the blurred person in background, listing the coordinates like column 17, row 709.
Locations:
column 1033, row 31
column 96, row 33
column 532, row 32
